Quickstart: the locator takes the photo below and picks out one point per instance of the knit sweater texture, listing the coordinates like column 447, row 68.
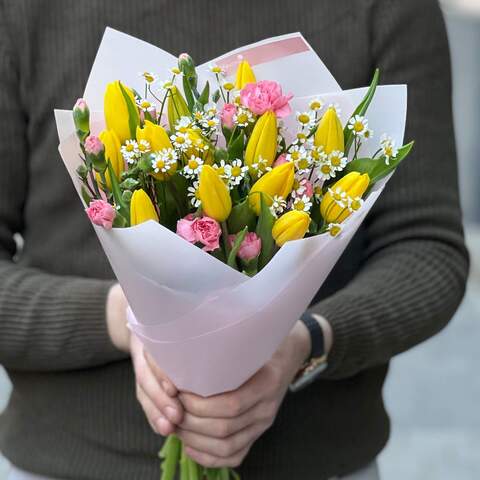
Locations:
column 73, row 412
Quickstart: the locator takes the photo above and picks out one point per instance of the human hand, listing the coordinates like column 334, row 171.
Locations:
column 219, row 431
column 117, row 318
column 155, row 392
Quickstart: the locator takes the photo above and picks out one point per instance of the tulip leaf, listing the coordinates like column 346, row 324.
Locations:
column 116, row 192
column 204, row 96
column 361, row 109
column 232, row 256
column 187, row 89
column 133, row 118
column 170, row 452
column 264, row 231
column 241, row 216
column 86, row 197
column 216, row 96
column 376, row 168
column 220, row 154
column 119, row 221
column 235, row 147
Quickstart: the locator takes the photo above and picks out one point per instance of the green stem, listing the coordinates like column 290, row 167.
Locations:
column 226, row 245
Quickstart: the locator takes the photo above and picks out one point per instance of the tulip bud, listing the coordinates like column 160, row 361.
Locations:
column 334, row 205
column 141, row 208
column 155, row 135
column 112, row 154
column 244, row 75
column 187, row 67
column 262, row 143
column 176, row 107
column 292, row 225
column 121, row 113
column 214, row 194
column 81, row 118
column 329, row 134
column 278, row 181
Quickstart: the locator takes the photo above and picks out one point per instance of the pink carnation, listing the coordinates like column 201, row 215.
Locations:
column 204, row 230
column 81, row 105
column 281, row 159
column 228, row 112
column 305, row 187
column 101, row 213
column 93, row 145
column 250, row 247
column 266, row 95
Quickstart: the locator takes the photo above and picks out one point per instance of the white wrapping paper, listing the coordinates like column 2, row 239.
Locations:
column 208, row 326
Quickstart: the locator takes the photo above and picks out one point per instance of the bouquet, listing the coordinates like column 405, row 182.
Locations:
column 223, row 195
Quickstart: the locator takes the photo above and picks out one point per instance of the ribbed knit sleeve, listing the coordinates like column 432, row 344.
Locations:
column 47, row 322
column 415, row 265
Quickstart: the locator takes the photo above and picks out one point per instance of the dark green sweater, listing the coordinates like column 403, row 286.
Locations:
column 73, row 412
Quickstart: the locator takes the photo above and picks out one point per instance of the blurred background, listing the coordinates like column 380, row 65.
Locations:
column 433, row 391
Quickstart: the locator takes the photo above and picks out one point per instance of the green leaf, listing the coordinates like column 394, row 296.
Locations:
column 241, row 216
column 133, row 118
column 216, row 96
column 227, row 133
column 129, row 184
column 232, row 256
column 220, row 154
column 204, row 96
column 211, row 473
column 361, row 109
column 117, row 194
column 377, row 168
column 235, row 149
column 187, row 89
column 86, row 197
column 264, row 231
column 119, row 221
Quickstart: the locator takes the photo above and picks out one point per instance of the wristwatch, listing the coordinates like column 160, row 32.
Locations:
column 317, row 362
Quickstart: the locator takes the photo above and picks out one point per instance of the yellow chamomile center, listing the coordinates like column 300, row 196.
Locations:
column 358, row 126
column 303, row 118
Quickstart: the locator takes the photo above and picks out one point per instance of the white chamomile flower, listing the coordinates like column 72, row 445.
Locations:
column 339, row 196
column 130, row 151
column 193, row 167
column 143, row 147
column 146, row 106
column 388, row 148
column 302, row 139
column 243, row 117
column 279, row 204
column 318, row 193
column 237, row 172
column 216, row 69
column 358, row 125
column 165, row 85
column 301, row 158
column 183, row 124
column 210, row 123
column 334, row 229
column 175, row 70
column 318, row 154
column 302, row 203
column 164, row 160
column 325, row 170
column 316, row 104
column 192, row 193
column 354, row 204
column 148, row 77
column 199, row 116
column 181, row 140
column 228, row 86
column 306, row 119
column 368, row 133
column 210, row 108
column 222, row 169
column 337, row 160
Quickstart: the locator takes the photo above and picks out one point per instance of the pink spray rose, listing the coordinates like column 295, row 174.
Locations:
column 204, row 230
column 228, row 112
column 93, row 145
column 81, row 105
column 281, row 159
column 250, row 247
column 101, row 213
column 306, row 188
column 266, row 95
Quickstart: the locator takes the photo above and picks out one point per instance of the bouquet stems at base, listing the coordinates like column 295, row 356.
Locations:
column 176, row 465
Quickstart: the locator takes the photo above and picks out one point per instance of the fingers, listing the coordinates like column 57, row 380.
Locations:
column 155, row 418
column 150, row 386
column 160, row 375
column 221, row 449
column 212, row 461
column 218, row 427
column 226, row 405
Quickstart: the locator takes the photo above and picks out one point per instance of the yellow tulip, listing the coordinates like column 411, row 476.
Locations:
column 334, row 205
column 244, row 75
column 329, row 134
column 112, row 153
column 176, row 107
column 263, row 141
column 155, row 135
column 278, row 181
column 118, row 116
column 292, row 225
column 141, row 208
column 214, row 194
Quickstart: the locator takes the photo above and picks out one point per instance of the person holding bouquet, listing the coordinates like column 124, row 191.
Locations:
column 88, row 401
